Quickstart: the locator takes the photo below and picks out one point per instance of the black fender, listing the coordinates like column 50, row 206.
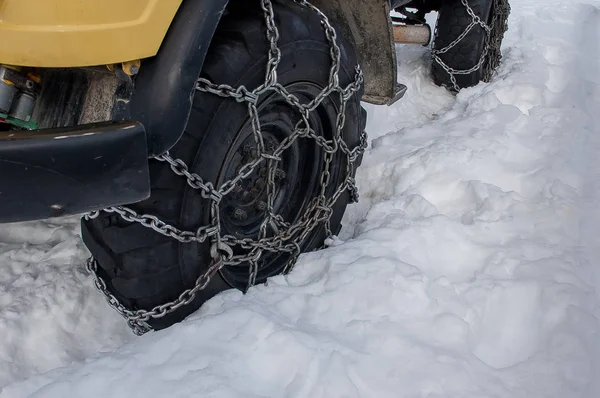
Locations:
column 71, row 170
column 165, row 85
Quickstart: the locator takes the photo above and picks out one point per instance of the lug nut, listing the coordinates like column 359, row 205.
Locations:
column 261, row 206
column 253, row 193
column 280, row 174
column 237, row 191
column 240, row 214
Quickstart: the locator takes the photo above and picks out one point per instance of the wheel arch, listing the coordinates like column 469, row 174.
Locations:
column 164, row 87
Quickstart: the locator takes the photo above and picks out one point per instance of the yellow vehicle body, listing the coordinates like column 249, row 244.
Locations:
column 75, row 33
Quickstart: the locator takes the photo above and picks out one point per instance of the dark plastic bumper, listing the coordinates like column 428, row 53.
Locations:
column 56, row 172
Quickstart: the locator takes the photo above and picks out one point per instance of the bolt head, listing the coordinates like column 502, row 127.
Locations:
column 280, row 174
column 240, row 214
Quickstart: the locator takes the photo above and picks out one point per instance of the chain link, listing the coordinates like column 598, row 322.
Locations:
column 491, row 55
column 284, row 237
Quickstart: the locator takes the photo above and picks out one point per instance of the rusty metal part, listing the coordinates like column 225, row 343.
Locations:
column 412, row 34
column 100, row 98
column 14, row 76
column 368, row 25
column 18, row 91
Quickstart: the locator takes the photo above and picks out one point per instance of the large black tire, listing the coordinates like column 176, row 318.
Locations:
column 453, row 20
column 143, row 268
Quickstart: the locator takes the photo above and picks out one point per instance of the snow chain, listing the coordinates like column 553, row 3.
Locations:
column 286, row 237
column 491, row 55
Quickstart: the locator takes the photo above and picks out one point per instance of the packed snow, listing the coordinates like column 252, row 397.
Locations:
column 468, row 269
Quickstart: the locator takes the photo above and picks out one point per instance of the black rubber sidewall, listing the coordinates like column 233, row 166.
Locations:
column 306, row 61
column 453, row 19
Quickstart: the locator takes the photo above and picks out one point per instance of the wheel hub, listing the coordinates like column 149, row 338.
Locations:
column 296, row 178
column 248, row 201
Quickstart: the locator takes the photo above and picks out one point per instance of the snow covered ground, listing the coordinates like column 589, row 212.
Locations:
column 469, row 269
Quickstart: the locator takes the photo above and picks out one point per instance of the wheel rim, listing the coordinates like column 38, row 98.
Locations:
column 297, row 178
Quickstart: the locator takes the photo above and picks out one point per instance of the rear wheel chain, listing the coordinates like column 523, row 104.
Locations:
column 287, row 239
column 493, row 40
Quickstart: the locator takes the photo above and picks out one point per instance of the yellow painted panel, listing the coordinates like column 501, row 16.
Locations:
column 70, row 33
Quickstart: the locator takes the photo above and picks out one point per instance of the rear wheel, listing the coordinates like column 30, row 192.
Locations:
column 144, row 269
column 468, row 36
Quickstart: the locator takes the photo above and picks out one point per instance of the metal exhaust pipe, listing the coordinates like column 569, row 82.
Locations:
column 412, row 34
